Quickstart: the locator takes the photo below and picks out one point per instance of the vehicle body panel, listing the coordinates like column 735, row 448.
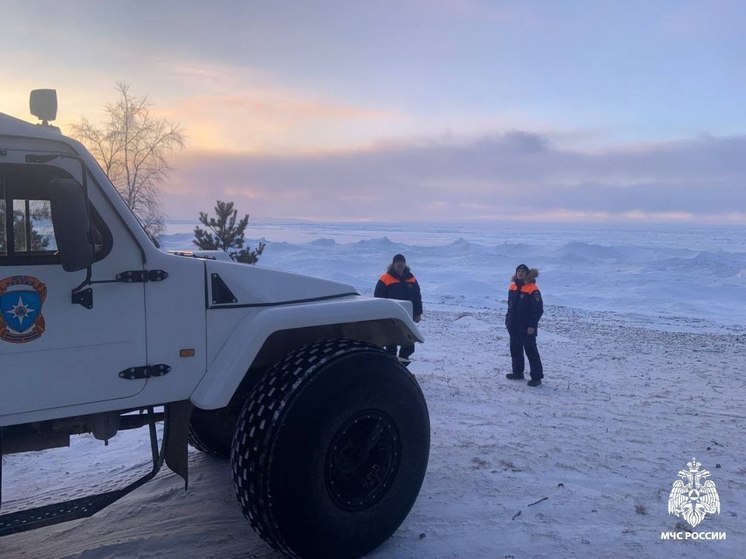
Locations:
column 73, row 368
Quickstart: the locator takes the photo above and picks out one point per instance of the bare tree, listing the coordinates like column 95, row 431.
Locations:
column 132, row 148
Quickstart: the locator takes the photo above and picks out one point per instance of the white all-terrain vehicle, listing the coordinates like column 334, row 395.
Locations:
column 100, row 330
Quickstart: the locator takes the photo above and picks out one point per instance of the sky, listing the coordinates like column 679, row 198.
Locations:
column 421, row 110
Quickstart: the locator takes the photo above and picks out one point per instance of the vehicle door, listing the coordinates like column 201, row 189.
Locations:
column 55, row 352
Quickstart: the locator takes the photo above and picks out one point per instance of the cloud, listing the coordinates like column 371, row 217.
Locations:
column 239, row 109
column 514, row 174
column 270, row 121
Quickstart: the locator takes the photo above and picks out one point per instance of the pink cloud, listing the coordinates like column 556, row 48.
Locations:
column 517, row 175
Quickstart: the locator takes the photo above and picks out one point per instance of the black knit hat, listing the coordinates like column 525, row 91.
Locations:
column 521, row 267
column 398, row 258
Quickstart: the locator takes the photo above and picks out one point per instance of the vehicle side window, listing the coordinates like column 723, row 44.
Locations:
column 27, row 233
column 33, row 232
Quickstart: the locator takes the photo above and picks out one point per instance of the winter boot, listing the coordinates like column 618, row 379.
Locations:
column 515, row 376
column 534, row 382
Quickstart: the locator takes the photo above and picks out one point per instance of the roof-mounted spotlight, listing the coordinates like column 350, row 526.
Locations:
column 43, row 104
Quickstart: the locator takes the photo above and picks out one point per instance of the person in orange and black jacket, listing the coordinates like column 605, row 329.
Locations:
column 399, row 283
column 525, row 308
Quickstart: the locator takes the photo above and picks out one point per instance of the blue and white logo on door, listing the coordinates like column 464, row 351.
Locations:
column 21, row 300
column 20, row 309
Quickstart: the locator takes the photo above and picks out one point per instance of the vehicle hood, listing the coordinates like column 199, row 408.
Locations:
column 232, row 284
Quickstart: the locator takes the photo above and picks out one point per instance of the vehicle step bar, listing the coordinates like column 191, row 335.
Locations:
column 29, row 519
column 84, row 507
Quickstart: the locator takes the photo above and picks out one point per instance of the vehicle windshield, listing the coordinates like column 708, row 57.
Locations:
column 137, row 218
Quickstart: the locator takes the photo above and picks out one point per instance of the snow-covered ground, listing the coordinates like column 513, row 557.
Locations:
column 644, row 346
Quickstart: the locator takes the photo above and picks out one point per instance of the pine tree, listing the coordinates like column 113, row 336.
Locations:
column 225, row 234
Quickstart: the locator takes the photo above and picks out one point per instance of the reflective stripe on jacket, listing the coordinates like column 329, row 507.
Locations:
column 404, row 288
column 525, row 306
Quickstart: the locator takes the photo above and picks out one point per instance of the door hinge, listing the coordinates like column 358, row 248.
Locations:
column 142, row 276
column 147, row 371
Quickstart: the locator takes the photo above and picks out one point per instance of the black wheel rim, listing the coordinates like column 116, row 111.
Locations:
column 362, row 460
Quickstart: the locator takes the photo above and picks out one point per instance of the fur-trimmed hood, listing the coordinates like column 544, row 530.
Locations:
column 531, row 276
column 404, row 274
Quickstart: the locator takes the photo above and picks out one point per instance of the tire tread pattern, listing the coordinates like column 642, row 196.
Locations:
column 258, row 422
column 196, row 441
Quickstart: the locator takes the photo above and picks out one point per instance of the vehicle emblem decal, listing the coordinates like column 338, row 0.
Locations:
column 21, row 299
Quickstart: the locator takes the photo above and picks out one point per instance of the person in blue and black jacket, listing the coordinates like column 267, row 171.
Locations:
column 399, row 283
column 525, row 308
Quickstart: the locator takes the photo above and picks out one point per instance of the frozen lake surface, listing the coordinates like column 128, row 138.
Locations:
column 671, row 276
column 644, row 347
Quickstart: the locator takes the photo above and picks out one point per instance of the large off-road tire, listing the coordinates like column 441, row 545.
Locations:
column 330, row 450
column 212, row 431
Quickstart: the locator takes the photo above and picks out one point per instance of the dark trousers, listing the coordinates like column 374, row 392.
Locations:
column 520, row 342
column 405, row 352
